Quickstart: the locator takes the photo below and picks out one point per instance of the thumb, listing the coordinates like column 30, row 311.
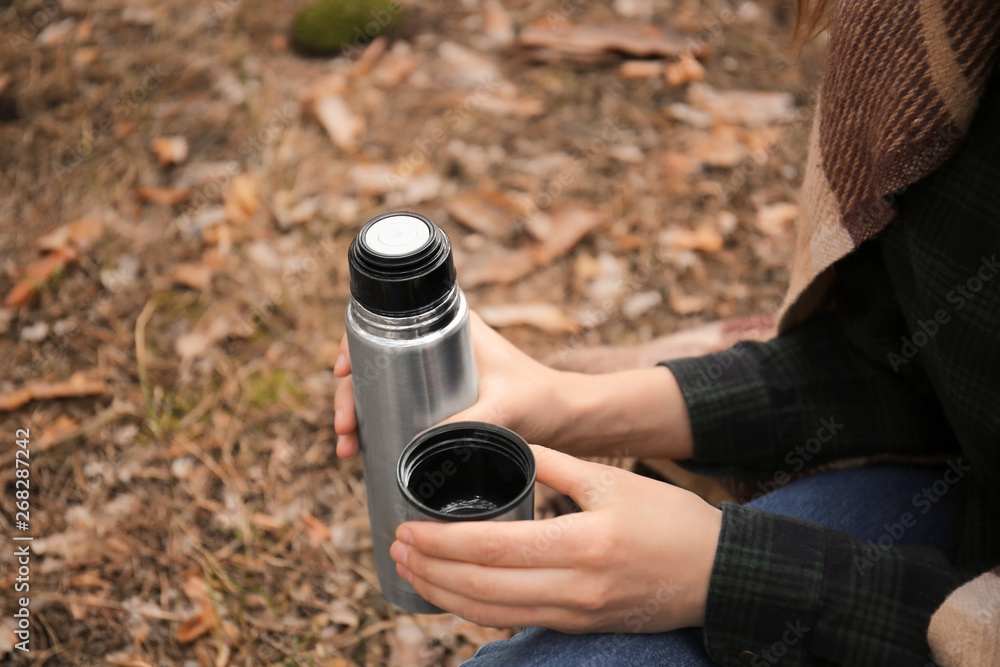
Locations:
column 480, row 411
column 588, row 484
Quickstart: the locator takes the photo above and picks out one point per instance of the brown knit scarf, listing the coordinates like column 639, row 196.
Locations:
column 901, row 85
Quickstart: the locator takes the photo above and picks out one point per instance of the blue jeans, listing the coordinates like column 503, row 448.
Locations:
column 858, row 501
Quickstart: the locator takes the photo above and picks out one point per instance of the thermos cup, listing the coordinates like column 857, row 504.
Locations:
column 412, row 366
column 468, row 471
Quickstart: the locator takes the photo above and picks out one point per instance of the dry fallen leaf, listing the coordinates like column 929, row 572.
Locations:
column 775, row 219
column 79, row 234
column 7, row 637
column 687, row 304
column 723, row 146
column 641, row 69
column 125, row 659
column 545, row 316
column 478, row 634
column 170, row 150
column 79, row 384
column 204, row 619
column 56, row 33
column 163, row 196
column 467, row 68
column 395, row 66
column 678, row 166
column 634, row 39
column 704, row 239
column 510, row 104
column 267, row 522
column 571, row 222
column 497, row 23
column 222, row 320
column 750, row 108
column 485, row 211
column 316, row 530
column 88, row 579
column 192, row 274
column 686, row 70
column 340, row 123
column 62, row 428
column 327, row 353
column 242, row 198
column 494, row 264
column 370, row 56
column 406, row 642
column 639, row 303
column 37, row 274
column 688, row 115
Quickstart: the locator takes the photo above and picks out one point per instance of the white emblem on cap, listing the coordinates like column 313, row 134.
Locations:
column 397, row 235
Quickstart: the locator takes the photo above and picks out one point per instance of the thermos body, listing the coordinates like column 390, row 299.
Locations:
column 411, row 364
column 405, row 381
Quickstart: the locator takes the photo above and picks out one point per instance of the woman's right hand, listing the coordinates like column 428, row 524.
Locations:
column 514, row 391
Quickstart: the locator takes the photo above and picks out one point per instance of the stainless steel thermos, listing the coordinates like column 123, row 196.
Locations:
column 412, row 365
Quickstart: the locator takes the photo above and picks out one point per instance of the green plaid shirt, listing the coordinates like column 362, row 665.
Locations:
column 906, row 363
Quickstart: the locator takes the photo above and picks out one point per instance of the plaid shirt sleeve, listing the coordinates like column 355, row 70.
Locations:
column 906, row 364
column 804, row 398
column 793, row 593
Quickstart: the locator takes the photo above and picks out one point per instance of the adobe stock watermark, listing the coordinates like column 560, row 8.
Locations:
column 799, row 456
column 23, row 30
column 592, row 494
column 554, row 187
column 740, row 174
column 123, row 107
column 362, row 37
column 280, row 119
column 923, row 501
column 425, row 146
column 930, row 156
column 638, row 616
column 291, row 276
column 771, row 655
column 958, row 297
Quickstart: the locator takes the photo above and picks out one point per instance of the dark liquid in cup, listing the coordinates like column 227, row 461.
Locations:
column 470, row 506
column 462, row 478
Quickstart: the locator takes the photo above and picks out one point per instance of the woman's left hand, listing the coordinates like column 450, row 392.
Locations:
column 637, row 559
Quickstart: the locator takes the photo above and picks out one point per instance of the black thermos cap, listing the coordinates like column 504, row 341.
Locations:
column 400, row 264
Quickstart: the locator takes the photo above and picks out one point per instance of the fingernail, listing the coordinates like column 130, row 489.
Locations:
column 339, row 362
column 336, row 417
column 405, row 536
column 404, row 573
column 398, row 553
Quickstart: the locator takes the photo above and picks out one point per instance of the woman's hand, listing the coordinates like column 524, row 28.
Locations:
column 514, row 391
column 638, row 412
column 637, row 559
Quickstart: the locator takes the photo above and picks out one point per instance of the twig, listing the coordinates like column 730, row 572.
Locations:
column 141, row 358
column 90, row 601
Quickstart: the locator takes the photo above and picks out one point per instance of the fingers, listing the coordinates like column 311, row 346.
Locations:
column 342, row 367
column 547, row 543
column 486, row 340
column 585, row 482
column 499, row 585
column 484, row 613
column 347, row 446
column 344, row 420
column 481, row 411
